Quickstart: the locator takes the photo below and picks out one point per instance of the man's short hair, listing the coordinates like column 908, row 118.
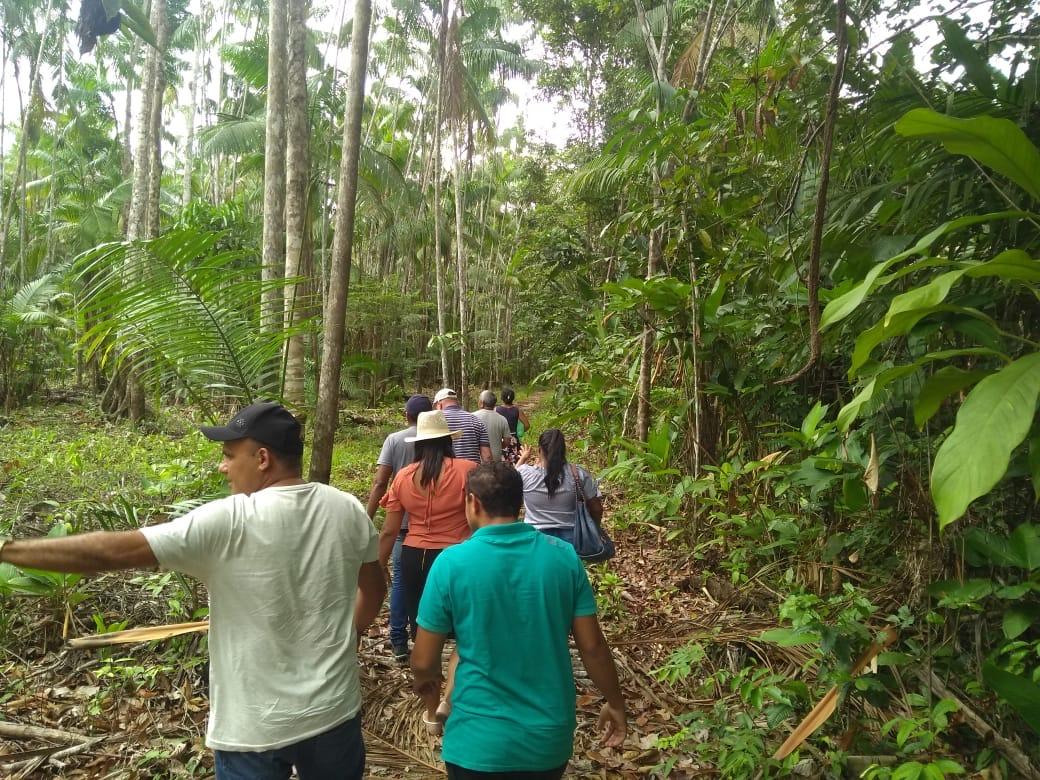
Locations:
column 487, row 398
column 499, row 487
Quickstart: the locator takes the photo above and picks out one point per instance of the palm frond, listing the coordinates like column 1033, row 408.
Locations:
column 183, row 313
column 233, row 135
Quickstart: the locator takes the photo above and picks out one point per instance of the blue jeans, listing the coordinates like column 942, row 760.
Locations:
column 398, row 612
column 566, row 534
column 337, row 754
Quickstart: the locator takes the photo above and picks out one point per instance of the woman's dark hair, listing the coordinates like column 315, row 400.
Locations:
column 431, row 454
column 554, row 453
column 508, row 394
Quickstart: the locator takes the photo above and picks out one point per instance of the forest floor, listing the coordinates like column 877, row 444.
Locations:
column 140, row 711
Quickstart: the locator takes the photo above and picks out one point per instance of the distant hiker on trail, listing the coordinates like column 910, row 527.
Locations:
column 397, row 452
column 474, row 443
column 518, row 421
column 550, row 497
column 497, row 425
column 433, row 493
column 511, row 597
column 293, row 579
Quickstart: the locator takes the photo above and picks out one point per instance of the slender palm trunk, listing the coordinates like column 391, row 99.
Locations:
column 297, row 178
column 326, row 414
column 189, row 142
column 442, row 330
column 273, row 263
column 460, row 267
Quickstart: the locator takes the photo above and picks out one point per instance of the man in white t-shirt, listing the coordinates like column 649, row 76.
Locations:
column 293, row 579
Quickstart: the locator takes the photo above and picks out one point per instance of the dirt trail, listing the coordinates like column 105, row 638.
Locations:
column 653, row 604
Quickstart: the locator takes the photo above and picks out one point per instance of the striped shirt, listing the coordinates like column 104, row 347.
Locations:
column 474, row 433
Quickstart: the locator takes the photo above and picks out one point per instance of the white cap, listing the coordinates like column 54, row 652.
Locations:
column 444, row 392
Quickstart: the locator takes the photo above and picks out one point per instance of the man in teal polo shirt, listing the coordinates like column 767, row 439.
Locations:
column 512, row 596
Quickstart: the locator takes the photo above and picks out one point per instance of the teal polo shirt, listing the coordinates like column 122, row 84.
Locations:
column 510, row 594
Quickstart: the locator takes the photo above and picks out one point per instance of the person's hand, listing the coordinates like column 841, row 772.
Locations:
column 613, row 725
column 429, row 691
column 525, row 454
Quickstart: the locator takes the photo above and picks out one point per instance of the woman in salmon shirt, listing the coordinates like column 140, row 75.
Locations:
column 432, row 491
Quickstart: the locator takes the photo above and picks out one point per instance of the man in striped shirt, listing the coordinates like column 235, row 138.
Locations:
column 473, row 444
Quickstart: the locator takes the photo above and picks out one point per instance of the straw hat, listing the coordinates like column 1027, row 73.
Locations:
column 432, row 425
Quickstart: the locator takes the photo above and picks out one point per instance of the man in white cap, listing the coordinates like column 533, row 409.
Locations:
column 293, row 577
column 474, row 443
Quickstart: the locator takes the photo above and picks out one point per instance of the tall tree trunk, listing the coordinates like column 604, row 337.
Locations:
column 162, row 36
column 132, row 402
column 442, row 47
column 297, row 189
column 460, row 266
column 658, row 52
column 326, row 414
column 273, row 263
column 189, row 142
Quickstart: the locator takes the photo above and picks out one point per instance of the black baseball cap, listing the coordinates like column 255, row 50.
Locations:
column 269, row 423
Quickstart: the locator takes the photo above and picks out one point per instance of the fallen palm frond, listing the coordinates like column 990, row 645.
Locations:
column 132, row 635
column 825, row 707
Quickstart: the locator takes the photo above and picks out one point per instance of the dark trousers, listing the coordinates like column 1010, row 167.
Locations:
column 458, row 773
column 337, row 754
column 415, row 567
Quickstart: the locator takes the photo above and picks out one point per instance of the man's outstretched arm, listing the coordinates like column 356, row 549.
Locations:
column 83, row 553
column 599, row 663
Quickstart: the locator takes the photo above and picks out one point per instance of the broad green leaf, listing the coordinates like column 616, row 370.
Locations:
column 961, row 594
column 976, row 68
column 790, row 637
column 911, row 770
column 1019, row 618
column 813, row 418
column 850, row 411
column 898, row 325
column 1020, row 549
column 926, row 296
column 940, row 386
column 1025, row 544
column 842, row 306
column 1020, row 692
column 992, row 421
column 948, row 767
column 998, row 144
column 1013, row 264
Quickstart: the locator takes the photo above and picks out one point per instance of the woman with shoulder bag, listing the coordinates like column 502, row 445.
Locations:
column 551, row 494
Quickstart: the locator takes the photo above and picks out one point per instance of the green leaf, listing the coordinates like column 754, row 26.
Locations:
column 992, row 421
column 955, row 594
column 1019, row 618
column 1013, row 264
column 948, row 767
column 850, row 411
column 998, row 144
column 137, row 21
column 1025, row 544
column 812, row 419
column 1020, row 692
column 842, row 306
column 976, row 68
column 940, row 386
column 790, row 637
column 898, row 325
